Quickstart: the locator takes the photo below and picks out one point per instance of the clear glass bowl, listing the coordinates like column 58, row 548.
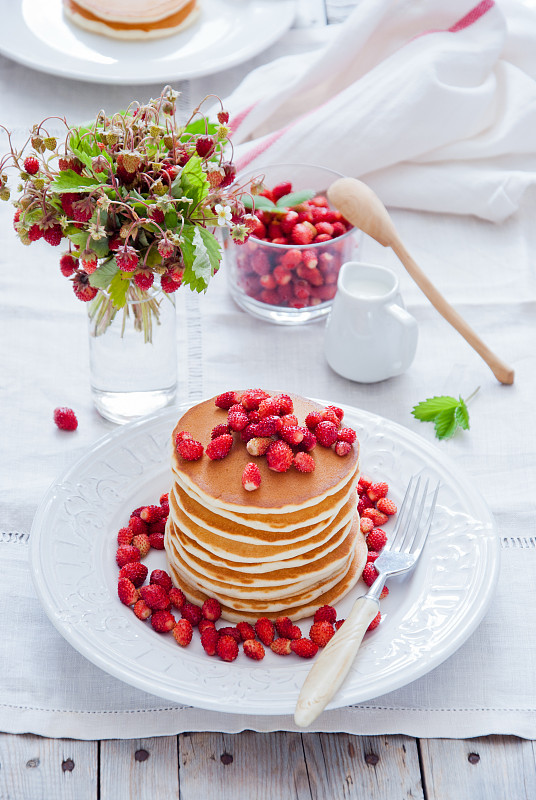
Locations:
column 247, row 263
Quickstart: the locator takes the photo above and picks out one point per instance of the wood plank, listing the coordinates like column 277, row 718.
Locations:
column 486, row 768
column 145, row 769
column 34, row 768
column 341, row 765
column 243, row 766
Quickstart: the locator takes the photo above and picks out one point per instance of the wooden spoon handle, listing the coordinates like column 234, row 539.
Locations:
column 502, row 371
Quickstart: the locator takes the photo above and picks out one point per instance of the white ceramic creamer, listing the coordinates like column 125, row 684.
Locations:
column 369, row 334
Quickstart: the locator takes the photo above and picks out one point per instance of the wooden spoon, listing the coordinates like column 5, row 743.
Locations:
column 364, row 209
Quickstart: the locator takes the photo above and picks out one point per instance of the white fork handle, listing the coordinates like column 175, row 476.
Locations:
column 332, row 666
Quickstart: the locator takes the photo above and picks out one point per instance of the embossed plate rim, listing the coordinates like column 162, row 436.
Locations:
column 271, row 687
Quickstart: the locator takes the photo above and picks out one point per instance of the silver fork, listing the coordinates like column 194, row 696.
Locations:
column 399, row 555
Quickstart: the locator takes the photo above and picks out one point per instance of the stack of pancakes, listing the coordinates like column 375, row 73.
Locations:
column 287, row 548
column 132, row 19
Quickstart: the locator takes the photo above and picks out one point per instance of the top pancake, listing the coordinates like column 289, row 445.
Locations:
column 220, row 484
column 132, row 11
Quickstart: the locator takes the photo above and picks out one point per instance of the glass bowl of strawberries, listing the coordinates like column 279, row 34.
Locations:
column 286, row 272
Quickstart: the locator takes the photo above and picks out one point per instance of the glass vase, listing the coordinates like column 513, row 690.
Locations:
column 132, row 354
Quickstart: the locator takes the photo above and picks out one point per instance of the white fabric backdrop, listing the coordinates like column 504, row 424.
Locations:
column 485, row 270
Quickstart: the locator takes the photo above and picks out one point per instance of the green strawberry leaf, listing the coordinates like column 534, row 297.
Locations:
column 118, row 288
column 447, row 414
column 295, row 198
column 69, row 181
column 99, row 246
column 102, row 276
column 201, row 253
column 191, row 182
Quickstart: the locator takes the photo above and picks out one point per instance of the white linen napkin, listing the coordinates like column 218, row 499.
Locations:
column 433, row 104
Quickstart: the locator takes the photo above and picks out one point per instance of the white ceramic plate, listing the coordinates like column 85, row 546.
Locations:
column 426, row 616
column 228, row 32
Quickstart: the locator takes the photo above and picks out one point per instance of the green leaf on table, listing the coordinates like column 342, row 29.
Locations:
column 447, row 414
column 295, row 198
column 201, row 253
column 118, row 288
column 103, row 275
column 70, row 181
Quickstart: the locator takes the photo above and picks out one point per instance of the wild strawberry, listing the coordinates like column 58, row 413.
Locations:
column 176, row 598
column 127, row 259
column 249, row 432
column 190, row 449
column 254, row 649
column 281, row 647
column 308, row 442
column 179, row 437
column 68, row 264
column 384, row 592
column 209, row 640
column 304, row 462
column 246, row 630
column 376, row 539
column 251, row 477
column 163, row 621
column 156, row 598
column 375, row 515
column 324, row 228
column 137, row 525
column 251, row 399
column 31, row 165
column 303, row 233
column 363, row 504
column 237, row 417
column 279, row 456
column 142, row 543
column 386, row 506
column 136, row 512
column 160, row 578
column 325, row 614
column 290, row 421
column 35, row 233
column 144, row 280
column 329, row 415
column 82, row 289
column 281, row 190
column 182, row 632
column 258, row 445
column 53, row 235
column 346, row 435
column 375, row 622
column 65, row 419
column 220, row 430
column 142, row 610
column 205, row 146
column 192, row 613
column 157, row 527
column 204, row 624
column 370, row 573
column 223, row 117
column 372, row 555
column 283, row 625
column 321, row 633
column 211, row 609
column 168, row 284
column 229, row 630
column 151, row 513
column 364, row 483
column 326, row 433
column 338, row 624
column 135, row 572
column 164, row 498
column 125, row 554
column 226, row 648
column 292, row 436
column 304, row 648
column 291, row 258
column 219, row 447
column 309, row 258
column 377, row 490
column 343, row 448
column 264, row 628
column 156, row 540
column 365, row 525
column 127, row 592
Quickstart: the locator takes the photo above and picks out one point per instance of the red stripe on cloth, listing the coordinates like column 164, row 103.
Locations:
column 472, row 16
column 235, row 122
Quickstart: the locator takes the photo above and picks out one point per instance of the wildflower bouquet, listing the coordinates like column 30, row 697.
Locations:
column 136, row 198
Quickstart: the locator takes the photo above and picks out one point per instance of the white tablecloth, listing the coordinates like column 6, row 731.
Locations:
column 486, row 271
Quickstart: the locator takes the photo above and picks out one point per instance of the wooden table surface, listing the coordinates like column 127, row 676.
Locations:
column 269, row 766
